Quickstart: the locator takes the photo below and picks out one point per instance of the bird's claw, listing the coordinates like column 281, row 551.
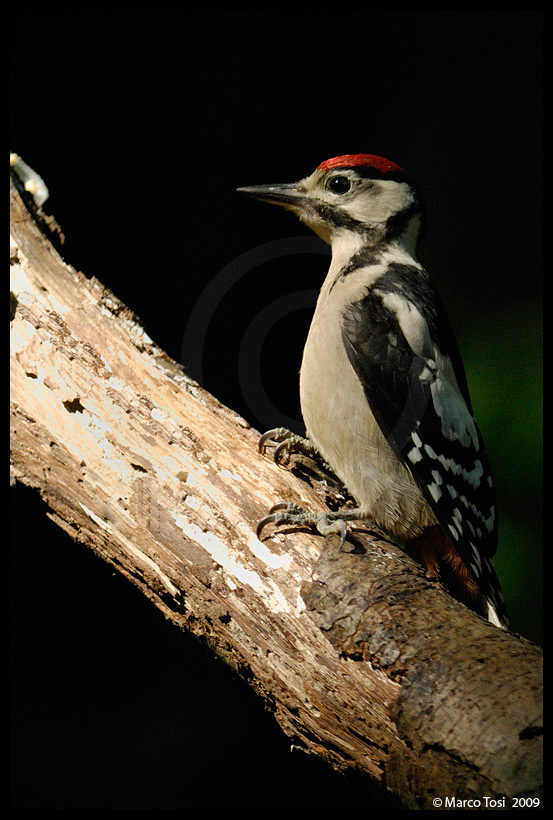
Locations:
column 275, row 517
column 263, row 523
column 279, row 436
column 283, row 447
column 288, row 442
column 284, row 513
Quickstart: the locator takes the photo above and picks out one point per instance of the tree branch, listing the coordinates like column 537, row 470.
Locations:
column 363, row 660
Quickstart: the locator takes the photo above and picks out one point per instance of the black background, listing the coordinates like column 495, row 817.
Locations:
column 143, row 123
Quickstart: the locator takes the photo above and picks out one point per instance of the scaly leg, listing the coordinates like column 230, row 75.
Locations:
column 325, row 523
column 291, row 443
column 287, row 513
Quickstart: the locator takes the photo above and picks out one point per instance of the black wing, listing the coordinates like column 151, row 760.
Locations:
column 420, row 400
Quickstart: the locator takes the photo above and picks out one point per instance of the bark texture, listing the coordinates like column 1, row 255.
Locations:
column 363, row 660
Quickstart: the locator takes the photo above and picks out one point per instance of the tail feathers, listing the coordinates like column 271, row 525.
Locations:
column 495, row 618
column 440, row 558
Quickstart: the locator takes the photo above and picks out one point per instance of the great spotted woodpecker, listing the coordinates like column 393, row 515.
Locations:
column 383, row 389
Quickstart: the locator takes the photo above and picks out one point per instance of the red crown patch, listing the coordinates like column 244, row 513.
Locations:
column 381, row 164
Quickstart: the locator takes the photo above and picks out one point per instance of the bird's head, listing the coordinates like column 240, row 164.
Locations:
column 360, row 194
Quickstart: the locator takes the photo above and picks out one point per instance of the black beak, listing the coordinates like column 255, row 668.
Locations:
column 290, row 195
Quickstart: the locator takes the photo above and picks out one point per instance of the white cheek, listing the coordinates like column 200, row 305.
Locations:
column 381, row 203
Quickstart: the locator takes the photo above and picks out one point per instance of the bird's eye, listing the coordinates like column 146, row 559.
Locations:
column 338, row 185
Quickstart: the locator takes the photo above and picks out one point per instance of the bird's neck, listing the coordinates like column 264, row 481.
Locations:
column 400, row 231
column 352, row 251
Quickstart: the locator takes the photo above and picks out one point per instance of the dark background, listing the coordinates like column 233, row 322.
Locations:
column 143, row 123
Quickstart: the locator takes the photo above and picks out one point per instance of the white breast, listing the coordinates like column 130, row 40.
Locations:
column 340, row 422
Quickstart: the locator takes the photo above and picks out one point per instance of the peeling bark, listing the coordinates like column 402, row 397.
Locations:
column 363, row 660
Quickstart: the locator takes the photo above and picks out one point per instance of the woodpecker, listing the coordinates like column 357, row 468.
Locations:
column 383, row 389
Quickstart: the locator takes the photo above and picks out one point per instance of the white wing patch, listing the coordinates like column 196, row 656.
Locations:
column 456, row 419
column 411, row 322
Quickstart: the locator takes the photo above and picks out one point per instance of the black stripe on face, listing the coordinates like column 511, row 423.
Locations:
column 399, row 222
column 337, row 218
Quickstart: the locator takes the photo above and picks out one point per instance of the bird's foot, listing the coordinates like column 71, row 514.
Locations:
column 287, row 442
column 325, row 523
